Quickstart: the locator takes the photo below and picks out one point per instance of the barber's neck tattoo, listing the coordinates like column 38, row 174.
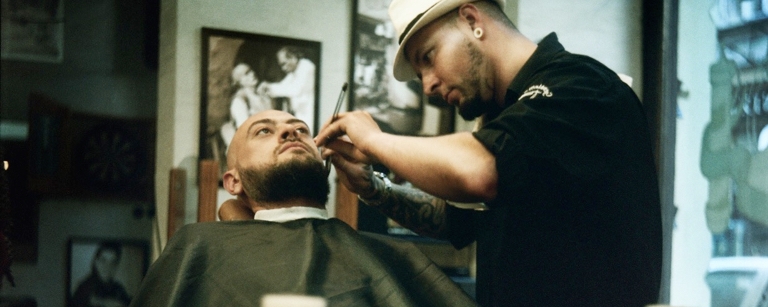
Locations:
column 416, row 210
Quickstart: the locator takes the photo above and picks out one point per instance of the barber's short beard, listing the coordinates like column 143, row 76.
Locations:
column 297, row 178
column 473, row 106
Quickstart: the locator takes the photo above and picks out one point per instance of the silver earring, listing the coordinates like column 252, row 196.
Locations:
column 478, row 32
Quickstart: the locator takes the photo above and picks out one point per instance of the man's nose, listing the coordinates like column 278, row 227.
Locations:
column 288, row 133
column 430, row 83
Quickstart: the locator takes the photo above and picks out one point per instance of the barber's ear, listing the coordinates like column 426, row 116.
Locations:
column 469, row 12
column 232, row 183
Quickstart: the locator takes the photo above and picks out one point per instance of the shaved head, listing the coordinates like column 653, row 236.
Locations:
column 238, row 149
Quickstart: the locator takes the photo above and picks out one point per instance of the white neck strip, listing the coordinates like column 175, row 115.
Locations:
column 281, row 215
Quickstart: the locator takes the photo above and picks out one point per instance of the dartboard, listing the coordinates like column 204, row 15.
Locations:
column 109, row 157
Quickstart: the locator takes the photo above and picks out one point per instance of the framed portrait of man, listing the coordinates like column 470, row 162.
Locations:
column 105, row 272
column 244, row 73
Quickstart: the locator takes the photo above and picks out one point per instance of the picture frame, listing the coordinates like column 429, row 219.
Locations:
column 124, row 262
column 397, row 107
column 243, row 73
column 33, row 31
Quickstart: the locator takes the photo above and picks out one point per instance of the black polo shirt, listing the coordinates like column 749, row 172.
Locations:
column 577, row 219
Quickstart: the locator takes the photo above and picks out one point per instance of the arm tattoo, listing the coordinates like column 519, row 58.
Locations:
column 416, row 210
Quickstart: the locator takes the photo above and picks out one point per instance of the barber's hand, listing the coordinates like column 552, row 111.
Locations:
column 358, row 126
column 235, row 210
column 355, row 176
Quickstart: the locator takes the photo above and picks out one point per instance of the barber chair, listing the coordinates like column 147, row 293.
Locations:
column 208, row 184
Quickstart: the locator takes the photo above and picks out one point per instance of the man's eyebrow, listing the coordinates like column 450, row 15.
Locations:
column 272, row 122
column 260, row 121
column 296, row 120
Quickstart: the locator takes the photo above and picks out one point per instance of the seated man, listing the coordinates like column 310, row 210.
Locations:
column 290, row 245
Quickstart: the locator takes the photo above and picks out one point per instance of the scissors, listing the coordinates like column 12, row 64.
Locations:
column 333, row 118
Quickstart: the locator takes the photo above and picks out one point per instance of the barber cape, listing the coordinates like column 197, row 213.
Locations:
column 236, row 263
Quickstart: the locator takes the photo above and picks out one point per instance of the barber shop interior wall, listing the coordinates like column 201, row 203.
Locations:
column 60, row 221
column 107, row 71
column 179, row 82
column 95, row 76
column 692, row 241
column 609, row 31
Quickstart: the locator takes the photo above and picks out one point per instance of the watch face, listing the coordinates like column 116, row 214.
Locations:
column 110, row 158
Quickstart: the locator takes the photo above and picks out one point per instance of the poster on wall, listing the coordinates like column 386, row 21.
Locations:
column 105, row 272
column 244, row 73
column 32, row 30
column 398, row 107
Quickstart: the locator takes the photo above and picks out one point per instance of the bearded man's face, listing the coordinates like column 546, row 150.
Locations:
column 277, row 160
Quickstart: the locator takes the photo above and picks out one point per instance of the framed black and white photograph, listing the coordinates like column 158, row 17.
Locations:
column 244, row 73
column 398, row 107
column 33, row 30
column 105, row 272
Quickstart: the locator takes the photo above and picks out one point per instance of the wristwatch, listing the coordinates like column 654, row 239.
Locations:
column 380, row 196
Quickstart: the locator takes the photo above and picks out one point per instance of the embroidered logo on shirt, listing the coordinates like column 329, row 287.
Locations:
column 535, row 91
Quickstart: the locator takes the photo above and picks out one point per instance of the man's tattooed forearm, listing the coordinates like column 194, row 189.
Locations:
column 418, row 211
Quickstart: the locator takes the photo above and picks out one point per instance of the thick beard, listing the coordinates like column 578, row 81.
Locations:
column 473, row 106
column 295, row 179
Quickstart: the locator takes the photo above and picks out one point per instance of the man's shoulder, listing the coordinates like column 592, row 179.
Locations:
column 205, row 230
column 223, row 233
column 250, row 225
column 203, row 226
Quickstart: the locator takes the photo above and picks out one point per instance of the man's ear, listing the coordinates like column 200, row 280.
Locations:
column 232, row 183
column 469, row 13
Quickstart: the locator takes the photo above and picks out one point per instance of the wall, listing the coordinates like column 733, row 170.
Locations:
column 104, row 71
column 92, row 76
column 59, row 221
column 691, row 239
column 325, row 21
column 609, row 31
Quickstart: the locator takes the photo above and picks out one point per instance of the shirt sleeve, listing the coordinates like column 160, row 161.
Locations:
column 300, row 81
column 462, row 226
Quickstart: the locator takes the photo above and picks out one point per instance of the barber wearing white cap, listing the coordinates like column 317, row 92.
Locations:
column 562, row 160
